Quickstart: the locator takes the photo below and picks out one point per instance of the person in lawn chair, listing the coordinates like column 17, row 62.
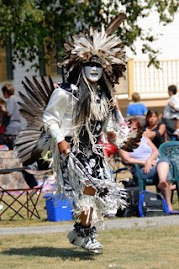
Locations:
column 78, row 112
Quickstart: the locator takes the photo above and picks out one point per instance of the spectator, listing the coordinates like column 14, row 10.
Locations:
column 171, row 110
column 14, row 126
column 4, row 119
column 146, row 156
column 136, row 108
column 155, row 129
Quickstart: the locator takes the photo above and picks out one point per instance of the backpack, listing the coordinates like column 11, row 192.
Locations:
column 152, row 204
column 132, row 200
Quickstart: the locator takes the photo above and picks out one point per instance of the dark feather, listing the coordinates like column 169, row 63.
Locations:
column 31, row 141
column 31, row 94
column 23, row 139
column 52, row 88
column 29, row 131
column 48, row 89
column 26, row 159
column 32, row 122
column 36, row 92
column 132, row 143
column 29, row 103
column 41, row 91
column 27, row 145
column 30, row 151
column 115, row 23
column 25, row 151
column 24, row 107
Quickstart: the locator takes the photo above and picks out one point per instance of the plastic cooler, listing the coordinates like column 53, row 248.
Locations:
column 58, row 208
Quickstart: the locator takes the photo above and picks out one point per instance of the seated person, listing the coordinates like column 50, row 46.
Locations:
column 146, row 156
column 155, row 130
column 136, row 108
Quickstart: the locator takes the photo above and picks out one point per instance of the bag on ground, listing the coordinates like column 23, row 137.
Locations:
column 152, row 204
column 132, row 201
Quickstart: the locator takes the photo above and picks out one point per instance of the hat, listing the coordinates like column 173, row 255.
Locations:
column 103, row 46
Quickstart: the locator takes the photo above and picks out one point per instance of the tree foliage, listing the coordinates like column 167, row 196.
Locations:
column 27, row 25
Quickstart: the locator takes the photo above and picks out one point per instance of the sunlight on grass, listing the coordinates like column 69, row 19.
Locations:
column 152, row 248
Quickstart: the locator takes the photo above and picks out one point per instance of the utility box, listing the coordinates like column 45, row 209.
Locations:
column 58, row 208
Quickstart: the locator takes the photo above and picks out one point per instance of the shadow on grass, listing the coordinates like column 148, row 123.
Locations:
column 63, row 253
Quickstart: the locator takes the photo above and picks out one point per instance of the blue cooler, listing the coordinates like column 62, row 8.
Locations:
column 58, row 208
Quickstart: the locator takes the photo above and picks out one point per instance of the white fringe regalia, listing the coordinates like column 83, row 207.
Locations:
column 86, row 165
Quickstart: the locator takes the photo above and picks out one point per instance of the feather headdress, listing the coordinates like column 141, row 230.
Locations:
column 104, row 45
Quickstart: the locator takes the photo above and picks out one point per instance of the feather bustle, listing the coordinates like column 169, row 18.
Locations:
column 32, row 106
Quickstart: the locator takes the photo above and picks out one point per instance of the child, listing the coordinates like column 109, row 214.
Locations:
column 136, row 108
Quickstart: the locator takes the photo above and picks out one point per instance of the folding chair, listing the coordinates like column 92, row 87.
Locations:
column 14, row 196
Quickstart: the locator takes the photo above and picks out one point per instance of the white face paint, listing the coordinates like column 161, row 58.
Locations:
column 93, row 72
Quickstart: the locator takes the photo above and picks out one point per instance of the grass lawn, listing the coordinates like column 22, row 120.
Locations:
column 151, row 248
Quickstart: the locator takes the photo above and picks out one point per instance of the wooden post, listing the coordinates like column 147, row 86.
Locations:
column 130, row 78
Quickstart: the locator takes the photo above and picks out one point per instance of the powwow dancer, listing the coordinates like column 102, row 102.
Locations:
column 78, row 112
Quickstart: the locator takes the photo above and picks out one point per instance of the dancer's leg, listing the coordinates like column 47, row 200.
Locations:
column 84, row 234
column 86, row 218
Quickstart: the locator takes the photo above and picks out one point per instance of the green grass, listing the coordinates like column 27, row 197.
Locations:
column 151, row 248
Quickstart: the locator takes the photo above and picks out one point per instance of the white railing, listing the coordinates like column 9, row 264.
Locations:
column 149, row 82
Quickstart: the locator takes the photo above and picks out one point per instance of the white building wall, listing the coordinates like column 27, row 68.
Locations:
column 153, row 83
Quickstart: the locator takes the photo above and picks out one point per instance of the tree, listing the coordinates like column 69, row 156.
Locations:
column 27, row 26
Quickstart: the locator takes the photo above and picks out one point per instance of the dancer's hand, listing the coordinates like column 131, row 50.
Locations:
column 64, row 147
column 89, row 190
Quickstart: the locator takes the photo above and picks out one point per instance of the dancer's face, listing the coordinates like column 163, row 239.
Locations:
column 93, row 71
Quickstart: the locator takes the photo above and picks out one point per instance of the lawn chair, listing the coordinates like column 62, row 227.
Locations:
column 10, row 198
column 15, row 194
column 142, row 183
column 171, row 151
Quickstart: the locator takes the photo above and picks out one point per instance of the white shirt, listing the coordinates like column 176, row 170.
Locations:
column 58, row 117
column 169, row 112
